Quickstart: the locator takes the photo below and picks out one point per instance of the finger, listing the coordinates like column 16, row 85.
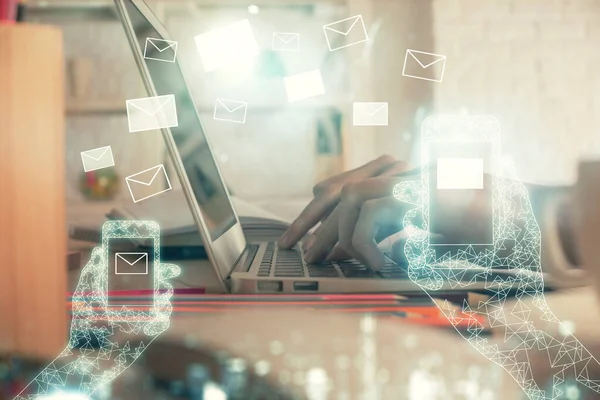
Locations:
column 323, row 243
column 374, row 214
column 338, row 254
column 412, row 172
column 398, row 253
column 308, row 218
column 308, row 242
column 326, row 197
column 351, row 203
column 395, row 169
column 169, row 271
column 89, row 292
column 90, row 271
column 408, row 191
column 372, row 168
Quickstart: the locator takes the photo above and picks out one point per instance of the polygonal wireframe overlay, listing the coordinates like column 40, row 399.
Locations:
column 93, row 357
column 516, row 246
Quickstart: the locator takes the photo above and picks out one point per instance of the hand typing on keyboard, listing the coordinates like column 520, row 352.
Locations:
column 358, row 209
column 337, row 206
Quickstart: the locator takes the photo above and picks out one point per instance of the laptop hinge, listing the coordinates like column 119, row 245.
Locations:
column 244, row 263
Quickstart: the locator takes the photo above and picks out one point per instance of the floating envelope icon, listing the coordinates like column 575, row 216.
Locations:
column 370, row 114
column 160, row 50
column 230, row 110
column 346, row 32
column 286, row 41
column 228, row 46
column 96, row 159
column 147, row 183
column 304, row 85
column 423, row 65
column 151, row 113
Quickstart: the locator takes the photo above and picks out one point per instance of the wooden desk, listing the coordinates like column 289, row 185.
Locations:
column 386, row 351
column 195, row 273
column 317, row 352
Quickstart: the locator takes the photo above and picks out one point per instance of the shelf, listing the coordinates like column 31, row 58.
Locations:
column 96, row 107
column 114, row 107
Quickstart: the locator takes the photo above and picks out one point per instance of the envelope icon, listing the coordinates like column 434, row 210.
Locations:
column 370, row 114
column 286, row 41
column 148, row 183
column 160, row 50
column 99, row 158
column 131, row 263
column 422, row 65
column 227, row 46
column 231, row 111
column 150, row 113
column 346, row 32
column 304, row 85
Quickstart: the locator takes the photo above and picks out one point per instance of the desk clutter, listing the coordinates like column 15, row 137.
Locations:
column 198, row 372
column 416, row 310
column 201, row 376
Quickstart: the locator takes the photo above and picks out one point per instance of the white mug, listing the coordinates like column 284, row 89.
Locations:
column 587, row 220
column 558, row 271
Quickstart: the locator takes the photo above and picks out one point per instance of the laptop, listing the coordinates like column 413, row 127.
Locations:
column 242, row 264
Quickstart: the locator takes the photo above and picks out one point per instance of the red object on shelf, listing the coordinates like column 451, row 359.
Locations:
column 8, row 10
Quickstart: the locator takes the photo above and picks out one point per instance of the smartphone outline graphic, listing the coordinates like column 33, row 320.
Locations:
column 131, row 230
column 474, row 131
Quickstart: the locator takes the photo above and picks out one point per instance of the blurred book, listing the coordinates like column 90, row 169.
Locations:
column 177, row 224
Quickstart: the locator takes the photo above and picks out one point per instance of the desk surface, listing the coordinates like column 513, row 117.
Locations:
column 350, row 352
column 330, row 335
column 194, row 273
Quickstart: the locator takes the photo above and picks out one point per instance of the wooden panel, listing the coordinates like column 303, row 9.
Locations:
column 32, row 182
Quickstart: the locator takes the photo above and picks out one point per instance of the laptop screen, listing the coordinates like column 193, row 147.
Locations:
column 189, row 136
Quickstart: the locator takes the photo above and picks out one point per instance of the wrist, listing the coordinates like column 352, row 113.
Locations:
column 63, row 374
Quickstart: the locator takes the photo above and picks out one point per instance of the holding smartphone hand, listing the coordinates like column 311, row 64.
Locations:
column 93, row 356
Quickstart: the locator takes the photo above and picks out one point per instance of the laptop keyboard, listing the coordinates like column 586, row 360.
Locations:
column 289, row 264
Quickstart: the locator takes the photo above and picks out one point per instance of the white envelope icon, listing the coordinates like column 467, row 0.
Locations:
column 160, row 50
column 460, row 173
column 131, row 263
column 227, row 46
column 346, row 32
column 286, row 41
column 370, row 114
column 230, row 110
column 304, row 85
column 99, row 158
column 147, row 183
column 422, row 65
column 150, row 113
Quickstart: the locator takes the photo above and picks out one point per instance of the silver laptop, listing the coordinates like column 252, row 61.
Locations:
column 241, row 265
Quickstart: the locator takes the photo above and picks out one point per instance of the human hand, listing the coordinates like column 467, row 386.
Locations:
column 94, row 356
column 517, row 247
column 336, row 199
column 369, row 212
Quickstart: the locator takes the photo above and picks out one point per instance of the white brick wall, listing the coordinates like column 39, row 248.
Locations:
column 535, row 65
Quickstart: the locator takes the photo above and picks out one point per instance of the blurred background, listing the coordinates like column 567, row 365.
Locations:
column 530, row 63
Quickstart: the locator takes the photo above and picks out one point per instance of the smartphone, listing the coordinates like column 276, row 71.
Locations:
column 130, row 268
column 459, row 186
